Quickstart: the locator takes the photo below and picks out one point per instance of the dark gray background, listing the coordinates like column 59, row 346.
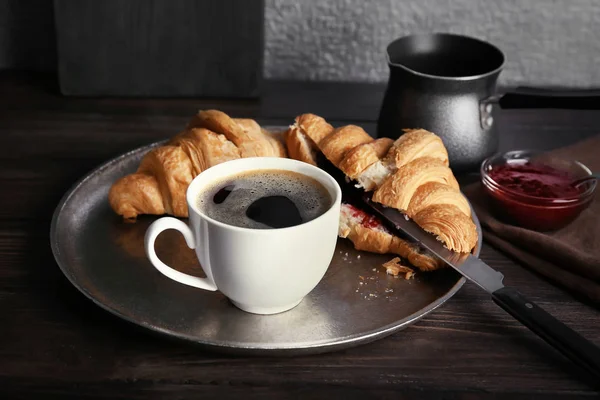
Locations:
column 27, row 39
column 547, row 42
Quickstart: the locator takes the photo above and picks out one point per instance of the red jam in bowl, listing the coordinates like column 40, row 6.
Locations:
column 535, row 180
column 534, row 191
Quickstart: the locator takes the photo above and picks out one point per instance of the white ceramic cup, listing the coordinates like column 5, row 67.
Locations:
column 262, row 271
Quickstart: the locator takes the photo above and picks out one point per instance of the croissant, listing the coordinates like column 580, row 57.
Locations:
column 341, row 140
column 449, row 224
column 361, row 157
column 417, row 143
column 160, row 183
column 414, row 143
column 397, row 189
column 432, row 193
column 205, row 148
column 422, row 184
column 302, row 138
column 411, row 174
column 368, row 233
column 299, row 146
column 246, row 134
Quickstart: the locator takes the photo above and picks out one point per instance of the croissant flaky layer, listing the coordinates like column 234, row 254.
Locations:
column 361, row 157
column 449, row 225
column 302, row 138
column 160, row 183
column 411, row 174
column 342, row 140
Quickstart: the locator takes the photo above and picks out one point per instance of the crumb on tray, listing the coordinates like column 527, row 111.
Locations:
column 395, row 268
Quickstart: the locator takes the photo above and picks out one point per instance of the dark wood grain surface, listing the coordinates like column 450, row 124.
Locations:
column 54, row 343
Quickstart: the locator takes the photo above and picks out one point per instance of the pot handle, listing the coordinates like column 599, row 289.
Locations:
column 528, row 97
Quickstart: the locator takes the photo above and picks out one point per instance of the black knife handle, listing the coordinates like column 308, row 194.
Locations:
column 561, row 337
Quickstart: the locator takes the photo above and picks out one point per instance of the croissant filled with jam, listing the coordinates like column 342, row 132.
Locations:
column 410, row 174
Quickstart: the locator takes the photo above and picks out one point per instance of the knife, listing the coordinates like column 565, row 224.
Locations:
column 568, row 342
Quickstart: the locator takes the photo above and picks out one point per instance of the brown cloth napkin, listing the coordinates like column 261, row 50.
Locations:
column 569, row 257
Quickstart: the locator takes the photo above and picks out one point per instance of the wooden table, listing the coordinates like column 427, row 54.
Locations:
column 56, row 343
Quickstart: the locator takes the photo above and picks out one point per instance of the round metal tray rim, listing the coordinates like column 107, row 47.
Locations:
column 291, row 348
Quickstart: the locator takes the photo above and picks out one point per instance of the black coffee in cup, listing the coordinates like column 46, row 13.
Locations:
column 265, row 199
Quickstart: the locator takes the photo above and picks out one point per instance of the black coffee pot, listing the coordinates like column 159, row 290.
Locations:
column 446, row 83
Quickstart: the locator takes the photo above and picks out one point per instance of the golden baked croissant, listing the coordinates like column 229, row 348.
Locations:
column 368, row 233
column 341, row 140
column 160, row 183
column 411, row 175
column 205, row 148
column 360, row 158
column 397, row 189
column 417, row 143
column 303, row 136
column 448, row 224
column 246, row 134
column 413, row 144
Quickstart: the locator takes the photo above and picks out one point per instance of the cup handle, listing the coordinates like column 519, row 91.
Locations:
column 152, row 233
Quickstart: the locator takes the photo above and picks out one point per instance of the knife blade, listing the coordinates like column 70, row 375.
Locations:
column 466, row 264
column 568, row 342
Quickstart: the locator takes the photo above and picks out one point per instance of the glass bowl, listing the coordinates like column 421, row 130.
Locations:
column 535, row 209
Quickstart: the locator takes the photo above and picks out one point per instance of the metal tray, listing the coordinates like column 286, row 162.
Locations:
column 355, row 303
